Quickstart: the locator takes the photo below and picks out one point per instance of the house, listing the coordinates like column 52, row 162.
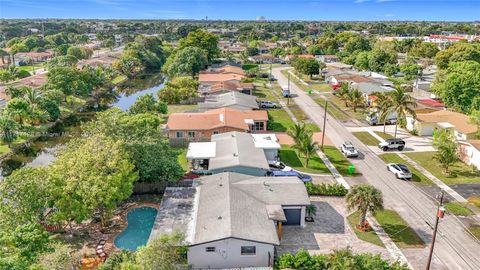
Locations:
column 426, row 124
column 207, row 78
column 235, row 100
column 200, row 126
column 269, row 144
column 232, row 220
column 227, row 69
column 369, row 88
column 264, row 59
column 469, row 152
column 328, row 58
column 290, row 57
column 228, row 152
column 226, row 86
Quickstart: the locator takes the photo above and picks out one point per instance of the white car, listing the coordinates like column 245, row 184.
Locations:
column 279, row 166
column 349, row 150
column 268, row 104
column 400, row 171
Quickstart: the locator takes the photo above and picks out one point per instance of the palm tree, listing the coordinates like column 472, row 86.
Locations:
column 383, row 105
column 306, row 146
column 355, row 98
column 364, row 198
column 402, row 105
column 343, row 92
column 32, row 96
column 297, row 132
column 8, row 127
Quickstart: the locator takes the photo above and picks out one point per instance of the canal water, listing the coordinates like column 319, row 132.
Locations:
column 42, row 151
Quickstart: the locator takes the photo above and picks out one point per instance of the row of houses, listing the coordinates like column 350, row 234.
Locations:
column 233, row 215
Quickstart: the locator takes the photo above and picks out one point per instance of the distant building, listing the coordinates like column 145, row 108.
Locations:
column 260, row 18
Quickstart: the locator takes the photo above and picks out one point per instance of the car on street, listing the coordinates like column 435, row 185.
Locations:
column 401, row 171
column 304, row 177
column 349, row 150
column 268, row 104
column 392, row 144
column 279, row 166
column 373, row 119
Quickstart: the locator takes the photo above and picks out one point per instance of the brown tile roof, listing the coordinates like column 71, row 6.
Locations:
column 230, row 86
column 475, row 143
column 218, row 77
column 223, row 117
column 231, row 69
column 351, row 78
column 459, row 120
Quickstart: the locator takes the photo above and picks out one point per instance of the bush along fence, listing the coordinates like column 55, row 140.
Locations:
column 326, row 189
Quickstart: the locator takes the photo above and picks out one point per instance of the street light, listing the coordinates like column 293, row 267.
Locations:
column 440, row 214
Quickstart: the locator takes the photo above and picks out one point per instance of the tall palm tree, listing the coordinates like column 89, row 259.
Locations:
column 32, row 96
column 382, row 106
column 307, row 147
column 364, row 198
column 355, row 99
column 8, row 128
column 402, row 105
column 343, row 91
column 297, row 132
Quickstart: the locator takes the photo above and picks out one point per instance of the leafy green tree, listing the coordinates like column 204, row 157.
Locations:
column 69, row 80
column 459, row 86
column 61, row 257
column 178, row 89
column 187, row 61
column 378, row 58
column 424, row 50
column 314, row 49
column 307, row 66
column 203, row 40
column 50, row 107
column 165, row 252
column 403, row 105
column 91, row 175
column 411, row 70
column 129, row 66
column 62, row 61
column 146, row 104
column 251, row 51
column 6, row 76
column 357, row 44
column 79, row 52
column 475, row 120
column 27, row 241
column 458, row 52
column 364, row 198
column 446, row 145
column 390, row 69
column 362, row 61
column 328, row 44
column 277, row 52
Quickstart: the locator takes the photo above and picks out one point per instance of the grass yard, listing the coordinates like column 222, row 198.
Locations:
column 333, row 111
column 385, row 136
column 290, row 157
column 340, row 104
column 458, row 209
column 180, row 108
column 475, row 230
column 338, row 160
column 368, row 236
column 417, row 176
column 279, row 120
column 366, row 138
column 398, row 229
column 460, row 173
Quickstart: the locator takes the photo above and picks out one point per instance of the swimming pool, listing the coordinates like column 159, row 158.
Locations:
column 140, row 223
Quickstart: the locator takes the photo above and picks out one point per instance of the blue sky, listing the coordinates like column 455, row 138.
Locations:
column 437, row 10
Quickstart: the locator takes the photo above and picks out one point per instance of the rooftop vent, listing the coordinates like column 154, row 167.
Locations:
column 235, row 154
column 219, row 217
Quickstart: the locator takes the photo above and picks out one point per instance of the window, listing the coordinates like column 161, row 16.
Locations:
column 215, row 132
column 248, row 250
column 210, row 249
column 191, row 134
column 179, row 134
column 259, row 126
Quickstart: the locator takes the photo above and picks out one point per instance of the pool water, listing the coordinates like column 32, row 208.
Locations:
column 140, row 223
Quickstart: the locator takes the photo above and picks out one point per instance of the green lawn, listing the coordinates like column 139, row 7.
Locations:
column 398, row 229
column 279, row 120
column 475, row 230
column 340, row 105
column 180, row 108
column 366, row 138
column 385, row 136
column 333, row 111
column 338, row 159
column 290, row 157
column 458, row 209
column 459, row 172
column 368, row 236
column 417, row 176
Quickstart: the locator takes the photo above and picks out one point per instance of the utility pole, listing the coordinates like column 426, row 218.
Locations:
column 288, row 87
column 440, row 214
column 324, row 122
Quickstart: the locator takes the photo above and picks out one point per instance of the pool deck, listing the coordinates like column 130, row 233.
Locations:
column 176, row 213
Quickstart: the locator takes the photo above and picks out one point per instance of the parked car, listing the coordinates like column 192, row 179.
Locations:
column 268, row 104
column 279, row 166
column 286, row 93
column 392, row 144
column 349, row 150
column 373, row 119
column 399, row 170
column 304, row 177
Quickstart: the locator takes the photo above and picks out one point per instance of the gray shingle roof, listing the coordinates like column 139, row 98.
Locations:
column 237, row 205
column 232, row 99
column 236, row 149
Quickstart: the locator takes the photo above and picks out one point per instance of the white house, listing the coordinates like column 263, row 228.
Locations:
column 469, row 152
column 269, row 144
column 232, row 220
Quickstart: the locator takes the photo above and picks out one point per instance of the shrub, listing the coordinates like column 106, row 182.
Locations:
column 23, row 74
column 326, row 189
column 249, row 66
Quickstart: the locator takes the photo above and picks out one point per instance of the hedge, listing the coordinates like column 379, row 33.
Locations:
column 326, row 189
